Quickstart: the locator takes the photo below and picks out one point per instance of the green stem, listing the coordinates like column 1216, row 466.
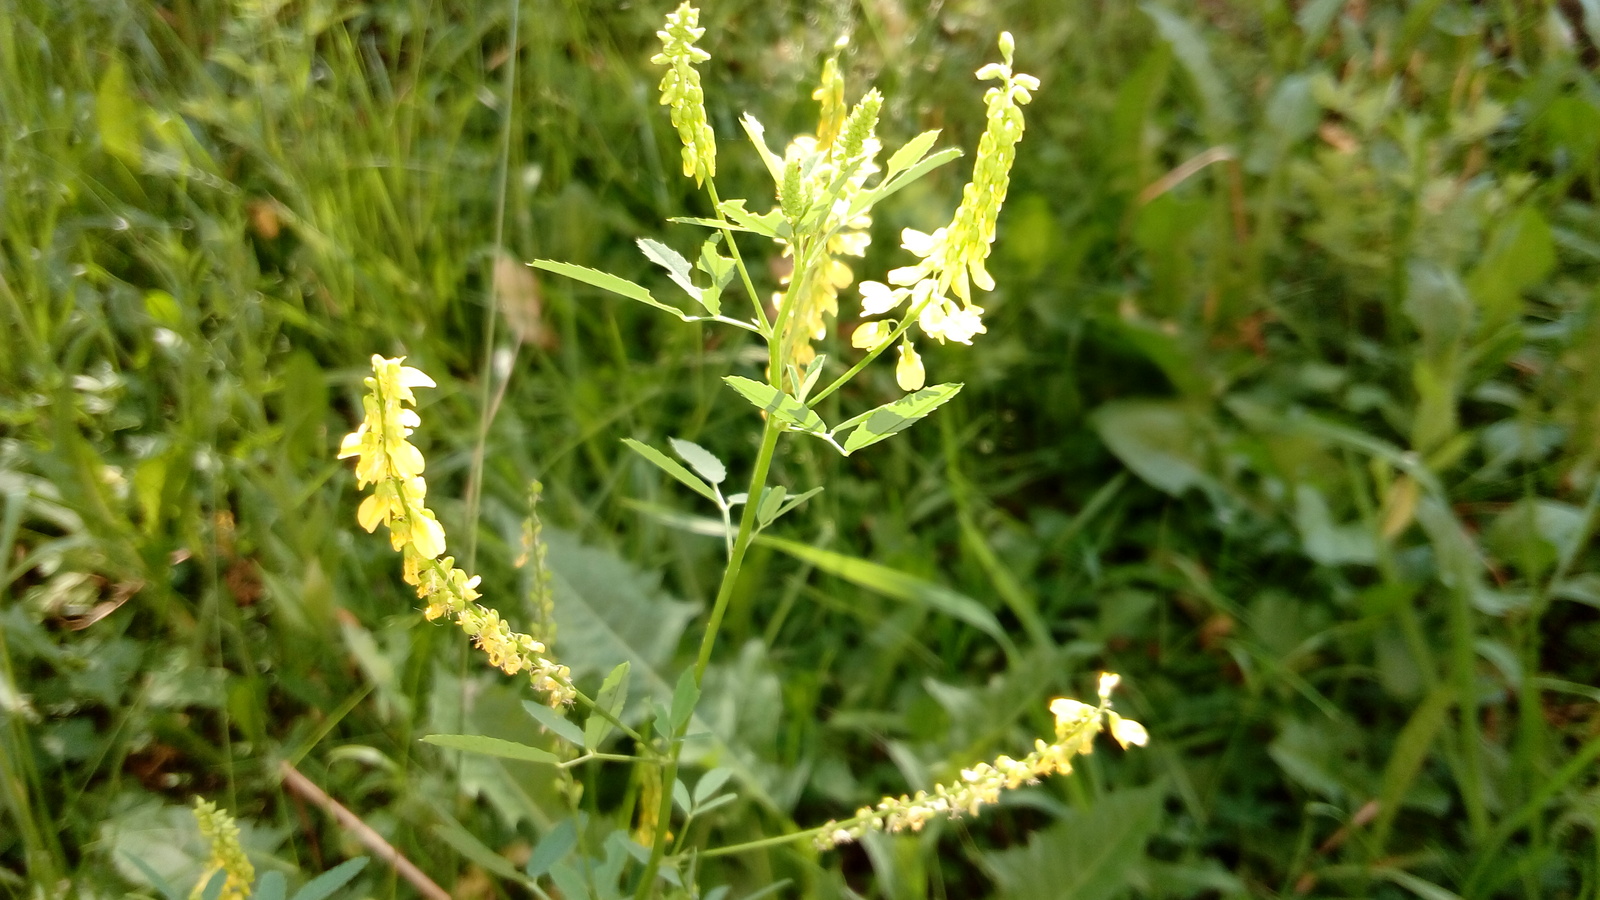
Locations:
column 763, row 843
column 873, row 354
column 733, row 248
column 730, row 577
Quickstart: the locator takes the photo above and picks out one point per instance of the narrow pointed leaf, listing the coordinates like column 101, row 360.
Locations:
column 892, row 418
column 895, row 584
column 868, row 199
column 910, row 153
column 684, row 698
column 488, row 746
column 778, row 404
column 613, row 693
column 672, row 467
column 605, row 281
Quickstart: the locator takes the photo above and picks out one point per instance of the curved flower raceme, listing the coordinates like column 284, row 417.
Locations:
column 388, row 462
column 1076, row 725
column 952, row 258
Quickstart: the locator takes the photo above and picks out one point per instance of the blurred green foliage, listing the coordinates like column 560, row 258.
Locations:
column 1289, row 411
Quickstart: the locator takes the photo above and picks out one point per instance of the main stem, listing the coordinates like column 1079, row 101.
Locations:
column 730, row 577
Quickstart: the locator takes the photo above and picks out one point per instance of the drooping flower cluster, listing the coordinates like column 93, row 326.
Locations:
column 221, row 834
column 680, row 90
column 388, row 462
column 843, row 144
column 1076, row 725
column 953, row 257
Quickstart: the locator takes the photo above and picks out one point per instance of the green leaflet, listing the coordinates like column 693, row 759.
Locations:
column 672, row 467
column 895, row 584
column 613, row 694
column 778, row 404
column 892, row 418
column 488, row 746
column 605, row 281
column 677, row 267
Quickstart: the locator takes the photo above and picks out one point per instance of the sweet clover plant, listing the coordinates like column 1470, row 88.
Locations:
column 825, row 188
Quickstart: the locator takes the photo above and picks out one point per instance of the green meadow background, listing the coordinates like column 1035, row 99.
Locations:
column 1288, row 411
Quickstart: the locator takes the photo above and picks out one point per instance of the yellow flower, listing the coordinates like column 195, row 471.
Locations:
column 1076, row 725
column 221, row 834
column 680, row 89
column 908, row 372
column 385, row 460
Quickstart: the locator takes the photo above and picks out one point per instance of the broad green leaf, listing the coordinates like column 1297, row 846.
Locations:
column 893, row 418
column 116, row 114
column 1089, row 855
column 271, row 886
column 1158, row 440
column 613, row 694
column 672, row 467
column 477, row 743
column 325, row 884
column 677, row 267
column 910, row 153
column 778, row 404
column 553, row 847
column 684, row 698
column 700, row 459
column 894, row 584
column 605, row 281
column 680, row 796
column 559, row 725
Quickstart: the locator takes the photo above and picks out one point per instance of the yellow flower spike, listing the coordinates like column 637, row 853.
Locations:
column 1076, row 725
column 221, row 834
column 388, row 462
column 680, row 90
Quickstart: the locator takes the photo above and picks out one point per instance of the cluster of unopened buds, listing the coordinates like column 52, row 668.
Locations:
column 1076, row 725
column 393, row 466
